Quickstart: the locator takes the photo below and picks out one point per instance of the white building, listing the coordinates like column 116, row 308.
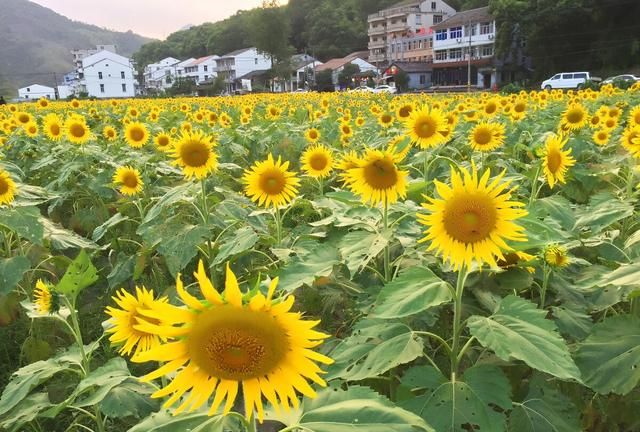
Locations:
column 80, row 54
column 467, row 38
column 36, row 91
column 239, row 63
column 303, row 66
column 107, row 75
column 387, row 27
column 199, row 70
column 337, row 65
column 161, row 75
column 64, row 91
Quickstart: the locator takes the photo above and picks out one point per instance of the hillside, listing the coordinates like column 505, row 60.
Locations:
column 36, row 43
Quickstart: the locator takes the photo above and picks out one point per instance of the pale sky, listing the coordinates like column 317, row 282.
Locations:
column 152, row 18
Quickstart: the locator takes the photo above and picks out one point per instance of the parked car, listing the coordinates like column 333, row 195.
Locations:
column 365, row 89
column 385, row 89
column 626, row 77
column 568, row 80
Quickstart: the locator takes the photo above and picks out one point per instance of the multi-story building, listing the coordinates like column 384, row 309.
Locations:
column 393, row 30
column 80, row 54
column 464, row 50
column 239, row 63
column 161, row 75
column 337, row 65
column 107, row 75
column 198, row 70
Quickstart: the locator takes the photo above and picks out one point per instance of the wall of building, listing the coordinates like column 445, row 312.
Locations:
column 36, row 91
column 108, row 77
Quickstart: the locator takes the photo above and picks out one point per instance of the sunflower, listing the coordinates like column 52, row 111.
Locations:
column 490, row 108
column 317, row 161
column 163, row 141
column 77, row 130
column 347, row 161
column 385, row 120
column 136, row 134
column 516, row 259
column 43, row 298
column 31, row 129
column 556, row 161
column 427, row 127
column 129, row 180
column 634, row 116
column 52, row 126
column 194, row 153
column 43, row 102
column 128, row 314
column 404, row 111
column 7, row 188
column 269, row 183
column 601, row 137
column 312, row 135
column 346, row 130
column 23, row 117
column 556, row 256
column 631, row 140
column 109, row 132
column 486, row 137
column 233, row 340
column 377, row 179
column 472, row 219
column 574, row 117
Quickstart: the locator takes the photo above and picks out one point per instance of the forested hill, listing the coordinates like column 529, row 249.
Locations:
column 35, row 42
column 326, row 28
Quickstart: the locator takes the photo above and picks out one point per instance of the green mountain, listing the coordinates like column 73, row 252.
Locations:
column 35, row 43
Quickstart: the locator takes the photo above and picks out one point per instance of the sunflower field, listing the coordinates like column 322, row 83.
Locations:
column 322, row 263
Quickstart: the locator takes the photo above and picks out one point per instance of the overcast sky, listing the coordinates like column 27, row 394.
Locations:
column 152, row 18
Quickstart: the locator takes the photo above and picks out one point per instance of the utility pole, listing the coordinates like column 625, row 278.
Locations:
column 469, row 59
column 55, row 86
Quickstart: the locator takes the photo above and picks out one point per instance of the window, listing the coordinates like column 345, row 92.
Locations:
column 437, row 19
column 441, row 35
column 256, row 60
column 419, row 20
column 122, row 74
column 28, row 89
column 423, row 79
column 567, row 76
column 206, row 77
column 441, row 55
column 206, row 68
column 99, row 75
column 124, row 88
column 455, row 54
column 470, row 30
column 455, row 32
column 101, row 88
column 580, row 75
column 487, row 51
column 486, row 28
column 433, row 5
column 555, row 77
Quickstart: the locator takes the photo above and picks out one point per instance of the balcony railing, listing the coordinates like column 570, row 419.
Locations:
column 392, row 12
column 377, row 44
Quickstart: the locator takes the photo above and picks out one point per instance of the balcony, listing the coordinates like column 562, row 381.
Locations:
column 399, row 26
column 377, row 58
column 377, row 44
column 377, row 30
column 380, row 16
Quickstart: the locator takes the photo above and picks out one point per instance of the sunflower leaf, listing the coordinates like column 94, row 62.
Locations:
column 11, row 271
column 79, row 275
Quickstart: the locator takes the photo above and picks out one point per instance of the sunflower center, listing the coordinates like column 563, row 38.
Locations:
column 23, row 118
column 470, row 217
column 272, row 181
column 381, row 174
column 405, row 111
column 136, row 134
column 574, row 116
column 346, row 130
column 490, row 108
column 237, row 344
column 636, row 118
column 54, row 129
column 163, row 141
column 482, row 136
column 313, row 135
column 386, row 118
column 130, row 180
column 194, row 154
column 4, row 186
column 425, row 127
column 318, row 161
column 77, row 130
column 519, row 107
column 554, row 160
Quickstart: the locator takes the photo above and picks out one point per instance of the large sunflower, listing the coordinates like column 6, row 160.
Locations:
column 163, row 141
column 472, row 219
column 317, row 161
column 77, row 130
column 631, row 140
column 486, row 137
column 377, row 179
column 52, row 126
column 194, row 153
column 634, row 116
column 7, row 188
column 269, row 182
column 574, row 117
column 230, row 340
column 427, row 127
column 136, row 134
column 556, row 161
column 128, row 315
column 129, row 180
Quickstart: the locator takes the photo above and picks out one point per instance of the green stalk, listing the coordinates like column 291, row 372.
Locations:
column 535, row 188
column 278, row 219
column 321, row 185
column 457, row 320
column 387, row 252
column 425, row 171
column 205, row 219
column 546, row 272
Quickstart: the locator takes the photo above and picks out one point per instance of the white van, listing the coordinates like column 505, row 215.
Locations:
column 568, row 80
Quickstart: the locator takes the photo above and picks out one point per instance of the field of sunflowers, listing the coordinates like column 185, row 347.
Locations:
column 322, row 263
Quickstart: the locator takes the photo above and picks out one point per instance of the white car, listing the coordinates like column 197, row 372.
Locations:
column 365, row 89
column 385, row 89
column 568, row 80
column 627, row 77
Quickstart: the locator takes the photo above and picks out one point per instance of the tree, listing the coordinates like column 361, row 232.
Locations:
column 182, row 86
column 346, row 75
column 324, row 81
column 402, row 81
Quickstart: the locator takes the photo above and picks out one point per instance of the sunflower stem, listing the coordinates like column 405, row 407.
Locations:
column 457, row 319
column 278, row 219
column 425, row 171
column 630, row 177
column 205, row 220
column 387, row 252
column 321, row 186
column 546, row 272
column 535, row 188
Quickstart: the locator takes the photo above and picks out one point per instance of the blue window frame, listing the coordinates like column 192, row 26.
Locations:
column 441, row 35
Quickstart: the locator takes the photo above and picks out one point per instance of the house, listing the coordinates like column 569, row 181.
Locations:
column 80, row 54
column 337, row 65
column 239, row 63
column 107, row 75
column 302, row 72
column 389, row 29
column 161, row 75
column 199, row 70
column 465, row 43
column 65, row 91
column 419, row 73
column 36, row 91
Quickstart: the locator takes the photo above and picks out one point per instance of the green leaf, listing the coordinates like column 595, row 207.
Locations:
column 11, row 272
column 625, row 275
column 413, row 291
column 25, row 221
column 572, row 323
column 182, row 192
column 26, row 411
column 304, row 268
column 79, row 275
column 355, row 409
column 105, row 378
column 560, row 209
column 360, row 247
column 544, row 409
column 519, row 330
column 114, row 220
column 602, row 215
column 373, row 350
column 179, row 248
column 241, row 241
column 129, row 399
column 476, row 401
column 62, row 238
column 610, row 357
column 164, row 421
column 122, row 270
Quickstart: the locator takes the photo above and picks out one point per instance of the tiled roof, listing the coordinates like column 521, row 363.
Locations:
column 462, row 18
